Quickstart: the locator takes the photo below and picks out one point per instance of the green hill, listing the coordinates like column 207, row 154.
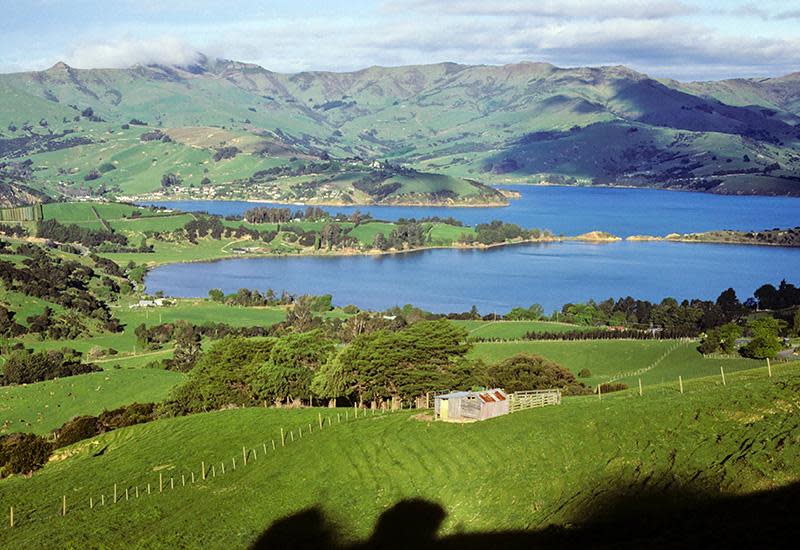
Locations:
column 118, row 131
column 638, row 464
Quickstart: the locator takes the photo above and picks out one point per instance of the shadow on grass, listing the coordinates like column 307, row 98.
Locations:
column 633, row 517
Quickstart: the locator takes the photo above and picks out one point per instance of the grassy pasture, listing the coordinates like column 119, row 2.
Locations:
column 606, row 359
column 551, row 468
column 192, row 311
column 510, row 330
column 43, row 406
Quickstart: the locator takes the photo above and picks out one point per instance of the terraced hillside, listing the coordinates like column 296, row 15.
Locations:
column 659, row 468
column 240, row 130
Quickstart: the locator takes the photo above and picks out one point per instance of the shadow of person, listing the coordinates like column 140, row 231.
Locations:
column 412, row 523
column 306, row 529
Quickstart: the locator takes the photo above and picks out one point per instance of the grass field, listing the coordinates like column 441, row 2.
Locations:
column 607, row 359
column 43, row 406
column 555, row 465
column 193, row 311
column 510, row 330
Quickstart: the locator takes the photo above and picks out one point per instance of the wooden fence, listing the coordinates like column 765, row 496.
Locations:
column 521, row 400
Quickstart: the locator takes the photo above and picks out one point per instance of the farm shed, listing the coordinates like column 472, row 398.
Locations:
column 465, row 406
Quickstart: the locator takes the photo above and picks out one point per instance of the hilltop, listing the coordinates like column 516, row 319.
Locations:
column 221, row 128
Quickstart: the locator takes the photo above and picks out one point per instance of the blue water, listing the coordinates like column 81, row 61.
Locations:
column 500, row 278
column 574, row 210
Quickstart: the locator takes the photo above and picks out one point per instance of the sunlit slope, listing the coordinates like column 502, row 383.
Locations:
column 524, row 471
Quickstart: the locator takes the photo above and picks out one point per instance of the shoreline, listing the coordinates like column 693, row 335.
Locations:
column 413, row 204
column 586, row 238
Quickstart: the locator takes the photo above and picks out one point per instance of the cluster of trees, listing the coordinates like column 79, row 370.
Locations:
column 55, row 231
column 599, row 334
column 17, row 231
column 532, row 313
column 253, row 298
column 785, row 296
column 228, row 152
column 56, row 327
column 171, row 180
column 376, row 366
column 23, row 453
column 333, row 236
column 155, row 135
column 60, row 281
column 403, row 235
column 25, row 366
column 299, row 169
column 763, row 337
column 690, row 317
column 500, row 232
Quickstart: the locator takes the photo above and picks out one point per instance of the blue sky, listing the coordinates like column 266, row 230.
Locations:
column 684, row 39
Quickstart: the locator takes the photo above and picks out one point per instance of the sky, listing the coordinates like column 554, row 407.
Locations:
column 682, row 39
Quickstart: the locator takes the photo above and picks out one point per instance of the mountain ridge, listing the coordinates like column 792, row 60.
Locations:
column 521, row 122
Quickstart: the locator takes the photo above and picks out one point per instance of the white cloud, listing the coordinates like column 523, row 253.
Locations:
column 582, row 9
column 125, row 52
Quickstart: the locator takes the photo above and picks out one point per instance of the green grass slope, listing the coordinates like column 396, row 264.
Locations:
column 551, row 466
column 519, row 122
column 654, row 361
column 43, row 406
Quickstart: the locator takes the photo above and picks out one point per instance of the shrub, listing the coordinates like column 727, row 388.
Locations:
column 614, row 386
column 92, row 175
column 533, row 372
column 22, row 453
column 585, row 373
column 77, row 429
column 136, row 413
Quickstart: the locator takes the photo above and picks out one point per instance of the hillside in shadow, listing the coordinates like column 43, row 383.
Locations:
column 626, row 517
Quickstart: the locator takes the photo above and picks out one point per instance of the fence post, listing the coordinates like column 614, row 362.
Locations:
column 64, row 505
column 244, row 455
column 126, row 493
column 265, row 449
column 273, row 444
column 769, row 368
column 223, row 467
column 319, row 415
column 640, row 387
column 11, row 516
column 137, row 491
column 291, row 435
column 91, row 506
column 233, row 461
column 338, row 418
column 171, row 483
column 203, row 470
column 102, row 500
column 680, row 382
column 600, row 391
column 283, row 439
column 192, row 477
column 160, row 482
column 722, row 372
column 183, row 480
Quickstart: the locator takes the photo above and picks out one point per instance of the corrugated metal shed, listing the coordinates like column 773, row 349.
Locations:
column 464, row 406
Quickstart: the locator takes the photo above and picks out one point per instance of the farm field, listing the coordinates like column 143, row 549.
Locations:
column 510, row 330
column 681, row 451
column 608, row 359
column 193, row 311
column 43, row 406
